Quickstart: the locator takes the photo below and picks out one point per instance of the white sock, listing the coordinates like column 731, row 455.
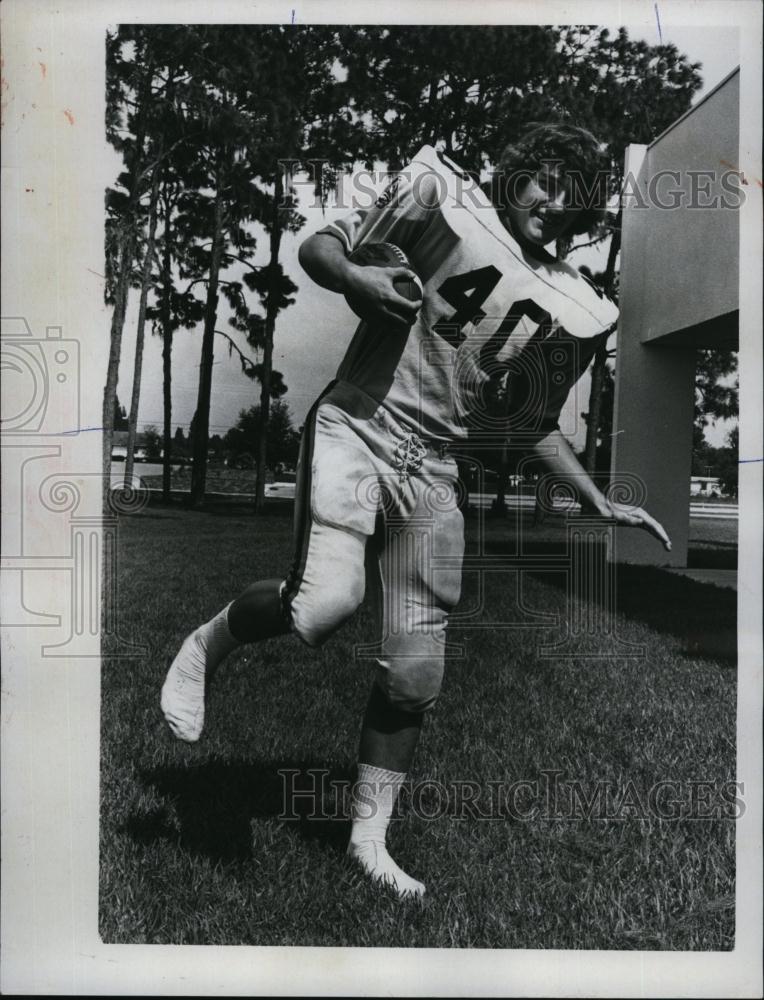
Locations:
column 374, row 796
column 183, row 690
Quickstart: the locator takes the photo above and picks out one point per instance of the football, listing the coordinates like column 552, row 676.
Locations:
column 385, row 255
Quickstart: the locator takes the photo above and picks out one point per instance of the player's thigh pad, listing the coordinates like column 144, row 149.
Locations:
column 337, row 477
column 344, row 477
column 420, row 568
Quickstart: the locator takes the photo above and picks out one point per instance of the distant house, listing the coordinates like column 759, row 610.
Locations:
column 119, row 447
column 705, row 486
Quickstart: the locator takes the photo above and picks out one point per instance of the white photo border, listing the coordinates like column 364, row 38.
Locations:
column 53, row 186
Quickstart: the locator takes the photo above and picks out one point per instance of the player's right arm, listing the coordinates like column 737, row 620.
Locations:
column 324, row 259
column 554, row 452
column 400, row 215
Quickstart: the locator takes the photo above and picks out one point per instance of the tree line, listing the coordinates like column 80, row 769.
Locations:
column 213, row 122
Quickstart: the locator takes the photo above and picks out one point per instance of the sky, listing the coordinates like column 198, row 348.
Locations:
column 312, row 335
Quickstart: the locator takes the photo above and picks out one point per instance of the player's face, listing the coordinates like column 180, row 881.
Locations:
column 542, row 210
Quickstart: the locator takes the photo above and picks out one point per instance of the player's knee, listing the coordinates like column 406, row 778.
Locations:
column 320, row 610
column 411, row 684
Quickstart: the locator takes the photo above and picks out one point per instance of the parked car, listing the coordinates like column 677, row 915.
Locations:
column 284, row 488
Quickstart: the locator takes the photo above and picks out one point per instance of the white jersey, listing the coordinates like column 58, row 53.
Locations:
column 489, row 306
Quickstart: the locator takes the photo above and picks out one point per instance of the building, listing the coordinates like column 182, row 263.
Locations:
column 678, row 292
column 119, row 447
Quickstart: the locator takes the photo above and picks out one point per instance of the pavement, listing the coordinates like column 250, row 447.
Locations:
column 727, row 512
column 717, row 577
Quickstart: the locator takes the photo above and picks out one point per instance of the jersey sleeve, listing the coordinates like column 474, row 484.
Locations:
column 399, row 215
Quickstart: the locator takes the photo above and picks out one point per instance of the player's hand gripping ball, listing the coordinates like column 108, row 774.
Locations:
column 371, row 298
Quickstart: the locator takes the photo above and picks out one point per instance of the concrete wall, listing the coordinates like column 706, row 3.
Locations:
column 690, row 253
column 678, row 292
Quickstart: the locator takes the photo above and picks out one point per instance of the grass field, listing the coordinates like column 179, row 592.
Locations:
column 193, row 849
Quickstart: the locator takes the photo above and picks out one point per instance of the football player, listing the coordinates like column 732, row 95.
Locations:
column 375, row 468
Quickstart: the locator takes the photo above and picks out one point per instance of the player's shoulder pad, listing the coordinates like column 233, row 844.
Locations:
column 433, row 159
column 421, row 163
column 448, row 162
column 390, row 192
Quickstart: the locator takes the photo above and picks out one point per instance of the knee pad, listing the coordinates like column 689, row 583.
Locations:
column 411, row 684
column 318, row 611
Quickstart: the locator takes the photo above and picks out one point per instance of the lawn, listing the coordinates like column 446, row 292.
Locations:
column 200, row 846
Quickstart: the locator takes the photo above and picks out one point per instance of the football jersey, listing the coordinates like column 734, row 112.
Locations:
column 491, row 311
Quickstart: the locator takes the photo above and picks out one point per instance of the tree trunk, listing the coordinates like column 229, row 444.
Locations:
column 499, row 504
column 595, row 406
column 202, row 415
column 115, row 349
column 432, row 110
column 599, row 363
column 166, row 321
column 615, row 246
column 271, row 311
column 167, row 358
column 121, row 293
column 140, row 335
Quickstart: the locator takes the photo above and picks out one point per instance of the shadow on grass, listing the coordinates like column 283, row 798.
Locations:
column 226, row 506
column 152, row 513
column 703, row 617
column 720, row 555
column 216, row 802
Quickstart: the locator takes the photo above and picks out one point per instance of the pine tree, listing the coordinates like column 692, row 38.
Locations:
column 145, row 286
column 467, row 88
column 716, row 393
column 175, row 307
column 303, row 124
column 130, row 60
column 221, row 197
column 144, row 65
column 169, row 146
column 179, row 443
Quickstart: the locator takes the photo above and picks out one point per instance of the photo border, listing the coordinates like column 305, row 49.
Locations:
column 52, row 232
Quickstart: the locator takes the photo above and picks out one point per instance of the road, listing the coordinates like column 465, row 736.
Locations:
column 718, row 511
column 723, row 511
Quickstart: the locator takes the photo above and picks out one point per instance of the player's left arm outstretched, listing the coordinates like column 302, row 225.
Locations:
column 555, row 453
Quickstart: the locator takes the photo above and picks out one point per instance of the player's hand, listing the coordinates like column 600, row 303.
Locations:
column 635, row 517
column 373, row 287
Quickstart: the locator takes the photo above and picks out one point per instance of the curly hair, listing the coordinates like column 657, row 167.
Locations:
column 579, row 154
